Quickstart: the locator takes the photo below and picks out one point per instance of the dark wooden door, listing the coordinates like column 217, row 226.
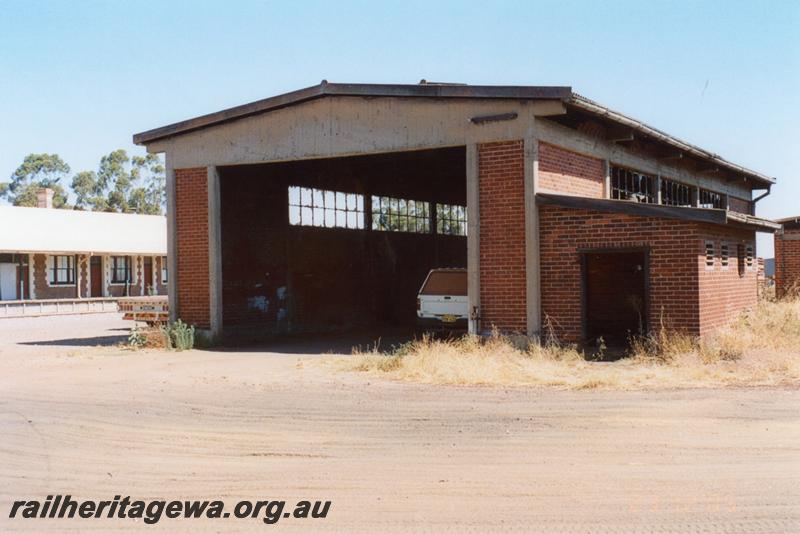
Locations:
column 148, row 274
column 615, row 296
column 96, row 274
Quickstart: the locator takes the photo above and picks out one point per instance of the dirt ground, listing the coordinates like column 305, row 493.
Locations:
column 276, row 423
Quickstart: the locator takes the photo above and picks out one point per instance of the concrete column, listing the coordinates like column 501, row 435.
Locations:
column 78, row 277
column 214, row 252
column 106, row 274
column 532, row 282
column 172, row 245
column 31, row 283
column 473, row 240
column 607, row 180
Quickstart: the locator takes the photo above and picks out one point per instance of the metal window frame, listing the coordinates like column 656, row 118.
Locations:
column 389, row 210
column 335, row 209
column 462, row 222
column 631, row 177
column 717, row 200
column 667, row 183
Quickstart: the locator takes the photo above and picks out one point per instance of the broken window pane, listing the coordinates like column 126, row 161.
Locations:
column 632, row 185
column 711, row 200
column 675, row 193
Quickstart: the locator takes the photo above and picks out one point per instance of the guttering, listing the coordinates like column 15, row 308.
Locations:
column 594, row 108
column 763, row 195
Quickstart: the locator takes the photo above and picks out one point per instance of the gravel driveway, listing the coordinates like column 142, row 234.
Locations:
column 96, row 422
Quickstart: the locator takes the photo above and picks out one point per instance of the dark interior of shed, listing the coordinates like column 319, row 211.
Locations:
column 328, row 262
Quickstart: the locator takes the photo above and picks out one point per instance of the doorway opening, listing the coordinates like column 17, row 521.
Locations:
column 615, row 296
column 148, row 289
column 96, row 276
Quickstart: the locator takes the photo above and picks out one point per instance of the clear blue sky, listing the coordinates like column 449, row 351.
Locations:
column 78, row 78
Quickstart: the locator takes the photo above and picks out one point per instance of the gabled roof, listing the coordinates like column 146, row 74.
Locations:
column 50, row 230
column 641, row 209
column 425, row 90
column 447, row 91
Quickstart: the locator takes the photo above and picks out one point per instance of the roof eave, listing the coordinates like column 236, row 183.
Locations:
column 701, row 215
column 355, row 89
column 593, row 107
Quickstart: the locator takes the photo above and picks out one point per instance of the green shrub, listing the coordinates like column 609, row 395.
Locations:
column 178, row 335
column 137, row 338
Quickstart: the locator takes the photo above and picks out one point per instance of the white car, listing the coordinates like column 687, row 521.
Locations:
column 442, row 301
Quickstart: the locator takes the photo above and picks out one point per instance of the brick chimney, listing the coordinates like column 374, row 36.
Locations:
column 44, row 197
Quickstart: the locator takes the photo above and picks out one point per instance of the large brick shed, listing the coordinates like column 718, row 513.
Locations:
column 787, row 257
column 324, row 208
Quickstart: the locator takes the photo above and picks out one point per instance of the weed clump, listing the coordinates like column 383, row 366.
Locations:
column 178, row 336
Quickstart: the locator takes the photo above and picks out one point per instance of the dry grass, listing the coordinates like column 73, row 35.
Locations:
column 759, row 348
column 150, row 337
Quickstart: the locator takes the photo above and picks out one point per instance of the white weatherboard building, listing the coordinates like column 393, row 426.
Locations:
column 48, row 253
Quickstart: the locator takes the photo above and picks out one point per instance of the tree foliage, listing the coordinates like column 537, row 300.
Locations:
column 35, row 172
column 122, row 184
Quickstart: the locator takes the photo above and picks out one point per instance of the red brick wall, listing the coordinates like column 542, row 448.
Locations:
column 723, row 292
column 502, row 235
column 787, row 261
column 191, row 218
column 41, row 275
column 683, row 293
column 567, row 172
column 674, row 248
column 740, row 205
column 118, row 290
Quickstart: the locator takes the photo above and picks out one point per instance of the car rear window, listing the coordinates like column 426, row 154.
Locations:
column 446, row 283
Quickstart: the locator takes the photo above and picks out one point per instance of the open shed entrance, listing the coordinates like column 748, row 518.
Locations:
column 338, row 244
column 615, row 295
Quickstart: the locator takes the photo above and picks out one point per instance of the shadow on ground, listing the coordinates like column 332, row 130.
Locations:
column 385, row 340
column 80, row 341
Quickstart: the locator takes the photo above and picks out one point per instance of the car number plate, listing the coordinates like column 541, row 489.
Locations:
column 449, row 318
